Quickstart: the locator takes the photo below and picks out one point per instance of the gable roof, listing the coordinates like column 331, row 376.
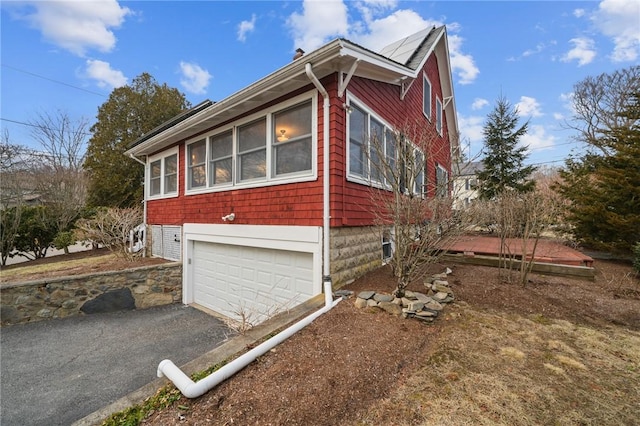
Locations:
column 339, row 55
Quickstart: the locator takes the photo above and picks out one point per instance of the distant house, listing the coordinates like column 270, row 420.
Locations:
column 465, row 183
column 264, row 195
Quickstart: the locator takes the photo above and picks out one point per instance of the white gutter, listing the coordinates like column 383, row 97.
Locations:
column 144, row 204
column 326, row 213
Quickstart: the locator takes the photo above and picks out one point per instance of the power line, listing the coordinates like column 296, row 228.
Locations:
column 38, row 126
column 53, row 80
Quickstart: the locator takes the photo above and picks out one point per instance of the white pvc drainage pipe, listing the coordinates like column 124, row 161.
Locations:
column 192, row 389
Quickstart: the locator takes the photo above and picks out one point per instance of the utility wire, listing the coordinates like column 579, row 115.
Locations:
column 38, row 126
column 53, row 80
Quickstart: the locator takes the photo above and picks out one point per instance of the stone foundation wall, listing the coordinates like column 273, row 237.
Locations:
column 354, row 252
column 135, row 288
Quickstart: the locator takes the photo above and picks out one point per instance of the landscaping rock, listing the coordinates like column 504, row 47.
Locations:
column 414, row 305
column 378, row 297
column 366, row 295
column 345, row 294
column 111, row 301
column 360, row 303
column 391, row 308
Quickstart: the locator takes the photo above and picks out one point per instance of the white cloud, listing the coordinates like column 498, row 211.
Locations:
column 528, row 107
column 194, row 78
column 325, row 19
column 479, row 103
column 462, row 64
column 246, row 27
column 105, row 75
column 319, row 20
column 471, row 129
column 537, row 138
column 619, row 20
column 579, row 13
column 583, row 51
column 558, row 116
column 78, row 26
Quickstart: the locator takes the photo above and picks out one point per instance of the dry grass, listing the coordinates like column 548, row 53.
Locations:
column 11, row 274
column 490, row 369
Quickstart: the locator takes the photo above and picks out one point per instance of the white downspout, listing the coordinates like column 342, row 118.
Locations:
column 326, row 218
column 191, row 389
column 144, row 203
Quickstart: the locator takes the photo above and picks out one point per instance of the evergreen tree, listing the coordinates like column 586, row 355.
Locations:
column 130, row 112
column 605, row 189
column 503, row 160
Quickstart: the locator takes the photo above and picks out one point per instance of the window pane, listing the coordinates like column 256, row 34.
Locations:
column 357, row 132
column 390, row 152
column 426, row 98
column 171, row 164
column 419, row 173
column 171, row 183
column 221, row 166
column 293, row 157
column 221, row 171
column 222, row 145
column 438, row 115
column 171, row 174
column 253, row 165
column 155, row 169
column 197, row 154
column 154, row 178
column 252, row 136
column 292, row 140
column 295, row 122
column 376, row 148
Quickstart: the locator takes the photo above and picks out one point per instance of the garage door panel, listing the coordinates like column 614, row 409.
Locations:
column 228, row 278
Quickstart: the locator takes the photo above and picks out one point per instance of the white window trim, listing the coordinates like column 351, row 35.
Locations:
column 425, row 79
column 270, row 179
column 161, row 156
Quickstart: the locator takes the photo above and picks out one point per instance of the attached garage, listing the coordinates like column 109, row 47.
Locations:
column 255, row 269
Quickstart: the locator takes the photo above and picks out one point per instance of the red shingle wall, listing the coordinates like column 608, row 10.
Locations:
column 352, row 202
column 301, row 203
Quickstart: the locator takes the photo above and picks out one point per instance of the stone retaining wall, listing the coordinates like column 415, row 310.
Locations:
column 135, row 288
column 354, row 252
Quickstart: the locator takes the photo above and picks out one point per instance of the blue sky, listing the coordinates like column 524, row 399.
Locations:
column 69, row 56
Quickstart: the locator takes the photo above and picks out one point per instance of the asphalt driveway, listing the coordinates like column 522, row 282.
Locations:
column 56, row 372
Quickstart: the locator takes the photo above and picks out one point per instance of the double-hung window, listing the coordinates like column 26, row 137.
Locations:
column 197, row 165
column 221, row 158
column 252, row 150
column 163, row 175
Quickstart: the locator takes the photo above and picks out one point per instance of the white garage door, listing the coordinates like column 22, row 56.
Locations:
column 259, row 281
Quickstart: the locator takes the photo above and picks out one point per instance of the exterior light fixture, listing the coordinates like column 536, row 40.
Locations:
column 283, row 137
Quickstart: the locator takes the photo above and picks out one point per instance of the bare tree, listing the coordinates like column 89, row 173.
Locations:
column 520, row 220
column 413, row 214
column 598, row 103
column 58, row 166
column 13, row 169
column 111, row 227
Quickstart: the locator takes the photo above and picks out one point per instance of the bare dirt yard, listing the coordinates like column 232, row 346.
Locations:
column 558, row 351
